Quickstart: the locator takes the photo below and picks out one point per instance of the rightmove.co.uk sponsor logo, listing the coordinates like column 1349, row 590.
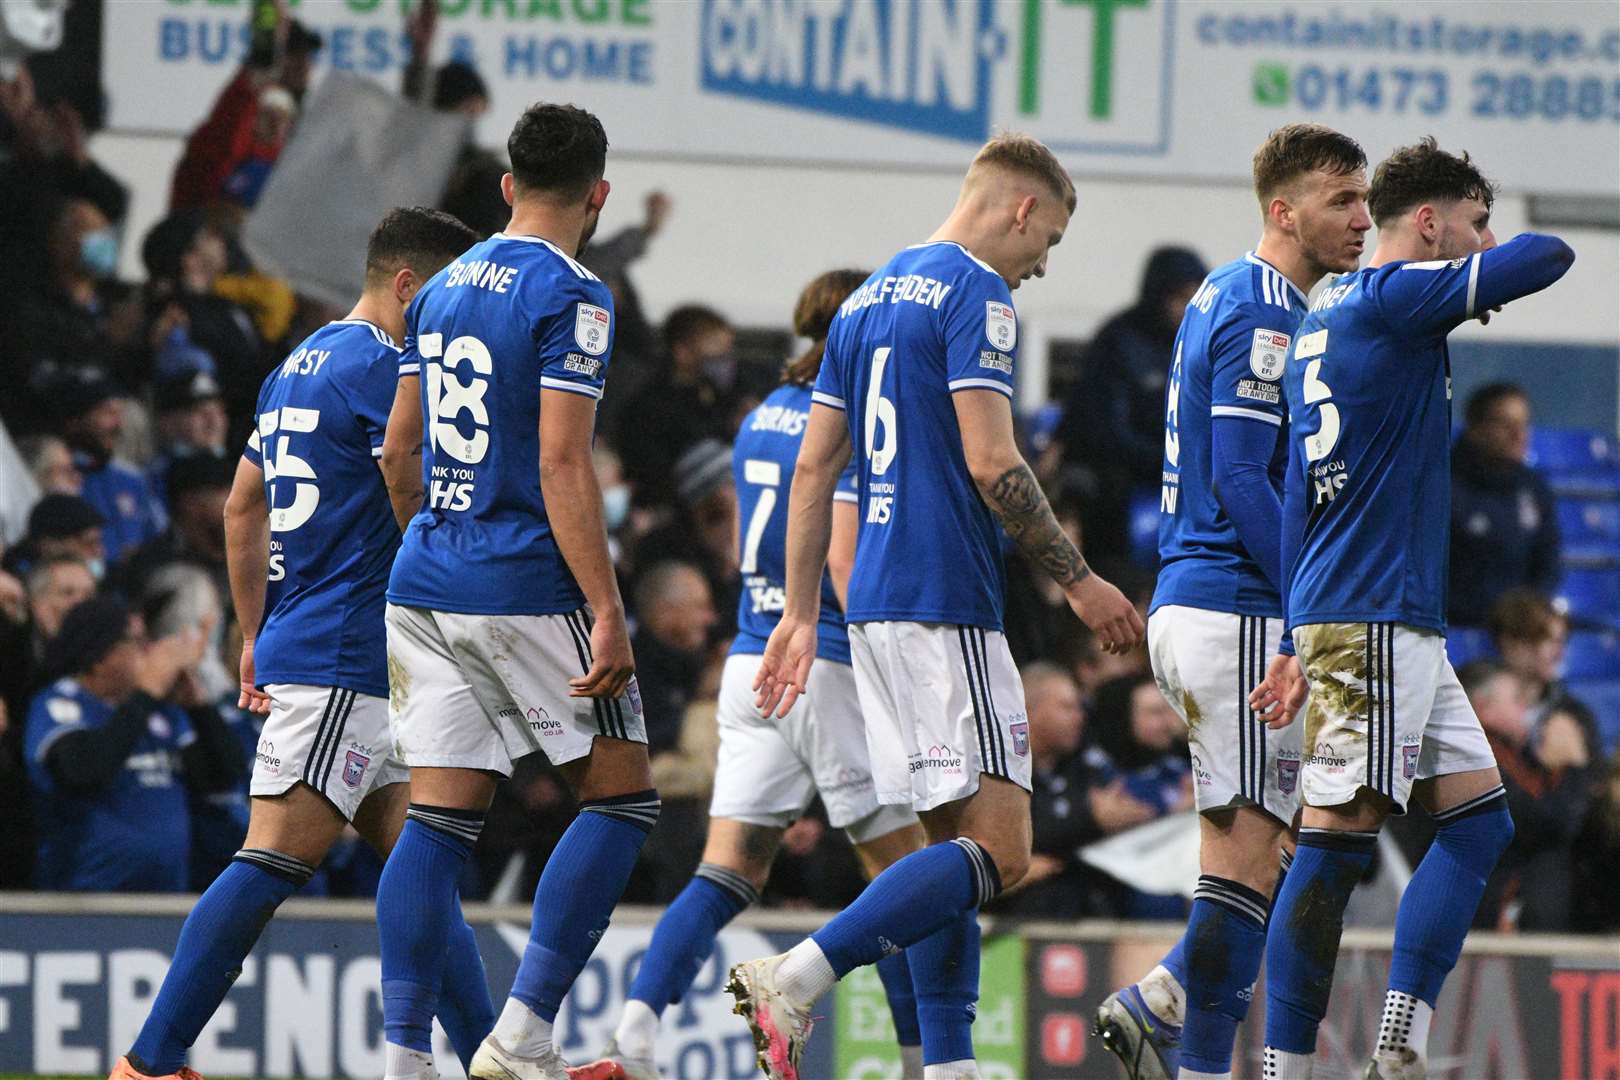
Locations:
column 928, row 66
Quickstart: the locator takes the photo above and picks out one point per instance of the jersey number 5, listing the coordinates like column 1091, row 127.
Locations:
column 1318, row 393
column 284, row 465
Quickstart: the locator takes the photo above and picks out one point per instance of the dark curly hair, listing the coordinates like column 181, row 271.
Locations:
column 1424, row 173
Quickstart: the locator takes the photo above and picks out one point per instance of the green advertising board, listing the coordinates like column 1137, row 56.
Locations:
column 866, row 1049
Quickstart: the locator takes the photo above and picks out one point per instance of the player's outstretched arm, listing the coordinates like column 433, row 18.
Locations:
column 1010, row 489
column 574, row 507
column 401, row 461
column 792, row 645
column 1438, row 296
column 247, row 564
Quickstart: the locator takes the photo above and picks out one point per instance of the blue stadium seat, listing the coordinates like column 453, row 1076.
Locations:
column 1593, row 654
column 1556, row 450
column 1602, row 696
column 1592, row 594
column 1590, row 529
column 1465, row 644
column 1042, row 424
column 1142, row 528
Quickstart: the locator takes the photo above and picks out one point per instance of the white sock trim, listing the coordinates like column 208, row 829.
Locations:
column 805, row 973
column 1166, row 997
column 1405, row 1026
column 951, row 1070
column 520, row 1032
column 911, row 1063
column 403, row 1063
column 1281, row 1065
column 1194, row 1074
column 637, row 1033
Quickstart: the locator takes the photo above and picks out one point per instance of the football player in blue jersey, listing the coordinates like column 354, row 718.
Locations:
column 917, row 386
column 771, row 767
column 1366, row 512
column 310, row 537
column 506, row 633
column 1216, row 615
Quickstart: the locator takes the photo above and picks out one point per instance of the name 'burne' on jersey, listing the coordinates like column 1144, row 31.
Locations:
column 512, row 317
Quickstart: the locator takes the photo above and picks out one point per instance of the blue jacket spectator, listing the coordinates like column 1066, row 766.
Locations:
column 1504, row 525
column 111, row 754
column 92, row 417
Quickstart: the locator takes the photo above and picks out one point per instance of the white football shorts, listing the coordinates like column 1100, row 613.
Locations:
column 1205, row 663
column 1386, row 709
column 770, row 769
column 336, row 741
column 482, row 691
column 943, row 705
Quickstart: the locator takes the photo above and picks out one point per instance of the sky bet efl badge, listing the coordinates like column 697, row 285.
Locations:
column 1267, row 355
column 1001, row 325
column 591, row 328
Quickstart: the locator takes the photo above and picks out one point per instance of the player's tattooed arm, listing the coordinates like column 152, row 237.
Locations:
column 1016, row 498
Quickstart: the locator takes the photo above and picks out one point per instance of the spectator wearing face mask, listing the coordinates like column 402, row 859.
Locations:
column 111, row 753
column 687, row 400
column 61, row 526
column 91, row 408
column 1504, row 524
column 76, row 315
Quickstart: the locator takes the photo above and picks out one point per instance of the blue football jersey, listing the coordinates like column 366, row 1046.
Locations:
column 134, row 836
column 1368, row 384
column 932, row 321
column 762, row 461
column 508, row 319
column 1228, row 362
column 321, row 417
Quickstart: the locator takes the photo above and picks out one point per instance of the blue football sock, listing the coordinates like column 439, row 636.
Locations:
column 465, row 1010
column 1302, row 942
column 945, row 971
column 685, row 934
column 1226, row 935
column 914, row 897
column 895, row 971
column 217, row 936
column 416, row 899
column 582, row 882
column 1439, row 903
column 1175, row 961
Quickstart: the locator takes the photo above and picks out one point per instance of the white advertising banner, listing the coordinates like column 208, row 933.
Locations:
column 1172, row 88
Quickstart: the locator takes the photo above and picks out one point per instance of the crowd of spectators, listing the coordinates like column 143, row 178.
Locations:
column 127, row 402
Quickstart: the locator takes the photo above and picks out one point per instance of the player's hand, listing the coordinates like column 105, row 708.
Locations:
column 1485, row 316
column 785, row 667
column 1103, row 608
column 1280, row 697
column 251, row 697
column 612, row 663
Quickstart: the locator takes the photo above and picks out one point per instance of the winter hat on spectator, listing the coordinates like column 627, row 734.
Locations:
column 701, row 469
column 185, row 390
column 169, row 241
column 91, row 630
column 199, row 472
column 76, row 392
column 58, row 516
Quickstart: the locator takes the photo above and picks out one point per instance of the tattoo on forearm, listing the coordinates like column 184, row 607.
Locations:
column 1016, row 498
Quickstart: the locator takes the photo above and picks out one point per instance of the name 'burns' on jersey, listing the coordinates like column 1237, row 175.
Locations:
column 511, row 317
column 1228, row 362
column 931, row 322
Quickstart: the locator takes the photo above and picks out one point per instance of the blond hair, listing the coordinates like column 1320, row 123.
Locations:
column 1025, row 155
